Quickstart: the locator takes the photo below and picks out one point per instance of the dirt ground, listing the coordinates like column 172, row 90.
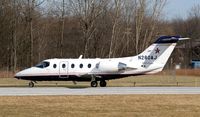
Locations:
column 98, row 106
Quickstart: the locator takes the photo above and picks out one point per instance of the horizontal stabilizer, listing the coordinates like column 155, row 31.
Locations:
column 170, row 39
column 186, row 38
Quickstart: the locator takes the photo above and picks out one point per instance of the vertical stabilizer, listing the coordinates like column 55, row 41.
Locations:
column 156, row 55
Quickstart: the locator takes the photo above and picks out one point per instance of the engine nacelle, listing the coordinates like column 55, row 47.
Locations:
column 110, row 66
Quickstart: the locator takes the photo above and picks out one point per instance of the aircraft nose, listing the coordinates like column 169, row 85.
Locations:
column 18, row 75
column 23, row 73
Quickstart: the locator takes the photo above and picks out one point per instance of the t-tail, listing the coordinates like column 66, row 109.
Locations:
column 156, row 56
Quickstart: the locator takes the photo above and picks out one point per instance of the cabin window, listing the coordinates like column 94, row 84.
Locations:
column 54, row 65
column 63, row 65
column 89, row 65
column 72, row 65
column 43, row 64
column 81, row 65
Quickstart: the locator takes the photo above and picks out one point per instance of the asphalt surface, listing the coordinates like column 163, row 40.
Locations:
column 12, row 91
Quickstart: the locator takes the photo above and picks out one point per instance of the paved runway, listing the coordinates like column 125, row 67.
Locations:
column 97, row 91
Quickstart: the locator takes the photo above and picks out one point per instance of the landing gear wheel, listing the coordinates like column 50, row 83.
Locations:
column 31, row 84
column 94, row 84
column 103, row 83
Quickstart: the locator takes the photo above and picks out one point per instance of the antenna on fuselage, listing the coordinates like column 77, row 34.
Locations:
column 80, row 57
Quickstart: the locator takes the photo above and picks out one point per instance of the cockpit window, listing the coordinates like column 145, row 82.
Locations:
column 43, row 64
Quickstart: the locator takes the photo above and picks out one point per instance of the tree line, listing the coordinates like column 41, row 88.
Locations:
column 34, row 30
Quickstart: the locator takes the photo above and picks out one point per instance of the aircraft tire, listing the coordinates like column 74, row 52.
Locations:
column 103, row 83
column 94, row 84
column 31, row 84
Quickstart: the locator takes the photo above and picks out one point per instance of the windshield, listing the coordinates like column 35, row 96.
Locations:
column 43, row 64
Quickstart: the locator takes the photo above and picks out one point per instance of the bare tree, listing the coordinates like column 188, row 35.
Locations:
column 31, row 15
column 139, row 17
column 88, row 11
column 30, row 25
column 157, row 7
column 115, row 27
column 94, row 28
column 62, row 29
column 145, row 25
column 14, row 36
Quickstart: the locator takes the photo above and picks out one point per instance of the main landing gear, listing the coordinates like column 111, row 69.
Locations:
column 103, row 83
column 95, row 83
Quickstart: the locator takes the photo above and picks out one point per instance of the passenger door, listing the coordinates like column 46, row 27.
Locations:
column 63, row 69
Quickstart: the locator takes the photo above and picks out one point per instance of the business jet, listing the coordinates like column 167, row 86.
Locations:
column 98, row 71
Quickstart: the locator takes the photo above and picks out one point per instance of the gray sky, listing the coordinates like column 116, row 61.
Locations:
column 179, row 8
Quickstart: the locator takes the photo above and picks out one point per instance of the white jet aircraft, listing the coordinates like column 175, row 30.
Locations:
column 151, row 60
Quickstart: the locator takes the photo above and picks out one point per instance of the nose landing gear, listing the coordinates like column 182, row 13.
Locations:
column 31, row 84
